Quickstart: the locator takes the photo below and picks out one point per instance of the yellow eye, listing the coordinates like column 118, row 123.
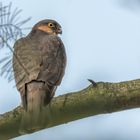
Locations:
column 51, row 25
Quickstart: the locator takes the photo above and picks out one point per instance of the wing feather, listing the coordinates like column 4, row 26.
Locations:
column 43, row 59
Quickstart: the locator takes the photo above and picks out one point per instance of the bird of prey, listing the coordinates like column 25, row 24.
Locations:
column 39, row 62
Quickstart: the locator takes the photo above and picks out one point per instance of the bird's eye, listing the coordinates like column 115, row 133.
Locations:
column 50, row 24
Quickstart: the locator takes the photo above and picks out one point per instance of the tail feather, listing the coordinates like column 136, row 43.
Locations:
column 37, row 95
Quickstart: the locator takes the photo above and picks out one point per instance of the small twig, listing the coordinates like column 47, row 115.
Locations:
column 92, row 82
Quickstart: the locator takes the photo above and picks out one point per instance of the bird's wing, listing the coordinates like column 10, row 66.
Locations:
column 26, row 61
column 42, row 60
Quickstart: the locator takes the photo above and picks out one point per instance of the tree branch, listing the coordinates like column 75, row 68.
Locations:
column 104, row 98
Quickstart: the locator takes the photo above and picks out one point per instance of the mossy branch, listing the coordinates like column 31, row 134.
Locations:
column 104, row 98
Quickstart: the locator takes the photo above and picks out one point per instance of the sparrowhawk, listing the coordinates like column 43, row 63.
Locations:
column 39, row 62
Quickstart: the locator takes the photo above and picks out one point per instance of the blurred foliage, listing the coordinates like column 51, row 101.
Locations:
column 11, row 29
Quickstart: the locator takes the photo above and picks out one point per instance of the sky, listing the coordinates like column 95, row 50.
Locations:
column 102, row 41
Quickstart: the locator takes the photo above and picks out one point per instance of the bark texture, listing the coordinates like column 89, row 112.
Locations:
column 104, row 98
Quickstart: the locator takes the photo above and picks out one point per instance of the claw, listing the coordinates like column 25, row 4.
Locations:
column 92, row 82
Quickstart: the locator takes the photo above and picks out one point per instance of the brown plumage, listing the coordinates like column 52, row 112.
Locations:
column 39, row 63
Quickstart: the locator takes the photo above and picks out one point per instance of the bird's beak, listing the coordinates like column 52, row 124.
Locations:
column 59, row 31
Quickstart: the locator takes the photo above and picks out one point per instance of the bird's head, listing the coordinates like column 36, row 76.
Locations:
column 48, row 26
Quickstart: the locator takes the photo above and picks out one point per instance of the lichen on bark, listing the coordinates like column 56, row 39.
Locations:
column 104, row 98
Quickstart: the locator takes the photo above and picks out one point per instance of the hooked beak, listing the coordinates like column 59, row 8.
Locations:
column 59, row 31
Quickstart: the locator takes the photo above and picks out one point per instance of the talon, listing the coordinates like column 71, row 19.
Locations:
column 92, row 82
